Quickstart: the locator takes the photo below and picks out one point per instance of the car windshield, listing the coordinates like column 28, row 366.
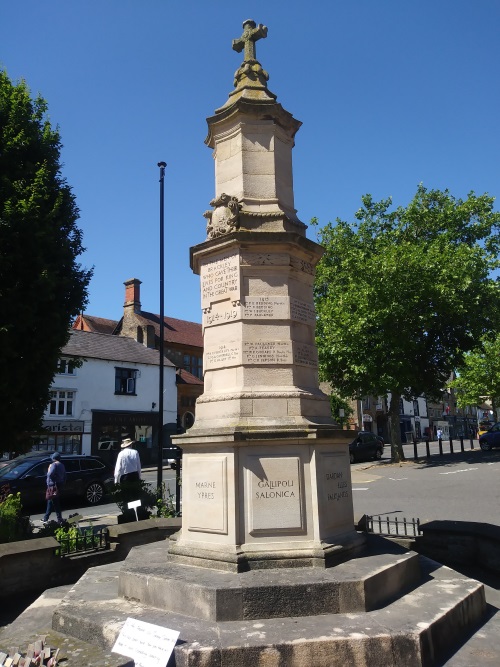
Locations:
column 15, row 469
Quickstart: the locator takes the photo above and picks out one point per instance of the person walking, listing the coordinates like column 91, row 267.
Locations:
column 128, row 463
column 56, row 477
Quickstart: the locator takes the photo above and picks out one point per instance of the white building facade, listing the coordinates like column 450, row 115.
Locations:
column 111, row 393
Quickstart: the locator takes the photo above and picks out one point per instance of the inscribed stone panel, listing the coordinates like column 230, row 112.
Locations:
column 220, row 279
column 336, row 489
column 207, row 494
column 267, row 352
column 274, row 499
column 305, row 355
column 301, row 311
column 266, row 307
column 222, row 356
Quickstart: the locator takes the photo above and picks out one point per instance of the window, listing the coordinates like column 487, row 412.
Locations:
column 415, row 408
column 125, row 379
column 194, row 365
column 61, row 403
column 91, row 464
column 39, row 470
column 65, row 367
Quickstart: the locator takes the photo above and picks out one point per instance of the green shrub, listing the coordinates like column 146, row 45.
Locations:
column 13, row 526
column 165, row 503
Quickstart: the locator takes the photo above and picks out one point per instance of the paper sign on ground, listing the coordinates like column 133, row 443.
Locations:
column 149, row 645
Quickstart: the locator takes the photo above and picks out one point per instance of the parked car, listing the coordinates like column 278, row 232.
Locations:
column 491, row 438
column 484, row 426
column 366, row 445
column 86, row 476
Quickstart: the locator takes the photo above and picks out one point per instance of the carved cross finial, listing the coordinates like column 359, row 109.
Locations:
column 251, row 33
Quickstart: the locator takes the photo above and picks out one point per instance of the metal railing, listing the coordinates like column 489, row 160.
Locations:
column 83, row 541
column 460, row 439
column 393, row 527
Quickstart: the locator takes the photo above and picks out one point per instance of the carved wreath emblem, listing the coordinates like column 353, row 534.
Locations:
column 225, row 216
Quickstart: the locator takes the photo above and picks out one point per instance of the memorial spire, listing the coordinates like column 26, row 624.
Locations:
column 250, row 79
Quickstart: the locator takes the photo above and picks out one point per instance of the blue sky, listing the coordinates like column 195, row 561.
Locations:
column 391, row 93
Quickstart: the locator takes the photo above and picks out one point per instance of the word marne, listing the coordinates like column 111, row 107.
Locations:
column 282, row 485
column 205, row 495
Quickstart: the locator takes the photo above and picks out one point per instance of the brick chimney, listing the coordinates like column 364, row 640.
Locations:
column 131, row 308
column 132, row 296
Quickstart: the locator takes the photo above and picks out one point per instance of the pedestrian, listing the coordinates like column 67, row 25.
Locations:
column 128, row 463
column 439, row 434
column 56, row 477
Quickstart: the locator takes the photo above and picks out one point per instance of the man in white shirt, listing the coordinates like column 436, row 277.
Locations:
column 128, row 463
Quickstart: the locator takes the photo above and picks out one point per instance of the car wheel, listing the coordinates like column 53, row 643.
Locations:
column 94, row 493
column 378, row 454
column 351, row 457
column 485, row 446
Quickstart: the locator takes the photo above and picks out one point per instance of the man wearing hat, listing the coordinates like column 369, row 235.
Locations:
column 56, row 476
column 128, row 463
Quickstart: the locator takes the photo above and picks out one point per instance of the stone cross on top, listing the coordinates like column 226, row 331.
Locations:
column 251, row 33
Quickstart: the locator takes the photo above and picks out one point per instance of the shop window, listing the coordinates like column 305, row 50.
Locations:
column 125, row 381
column 61, row 403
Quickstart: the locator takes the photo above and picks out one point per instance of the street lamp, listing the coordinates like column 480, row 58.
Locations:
column 162, row 166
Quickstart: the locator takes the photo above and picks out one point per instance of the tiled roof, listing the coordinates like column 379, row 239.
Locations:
column 97, row 324
column 185, row 377
column 176, row 331
column 93, row 345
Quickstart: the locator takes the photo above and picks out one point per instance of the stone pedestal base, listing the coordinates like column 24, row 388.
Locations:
column 386, row 608
column 265, row 498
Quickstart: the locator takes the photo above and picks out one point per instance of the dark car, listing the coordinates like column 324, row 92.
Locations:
column 86, row 476
column 366, row 445
column 491, row 438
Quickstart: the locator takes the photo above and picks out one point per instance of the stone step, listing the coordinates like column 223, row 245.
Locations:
column 36, row 621
column 362, row 584
column 414, row 630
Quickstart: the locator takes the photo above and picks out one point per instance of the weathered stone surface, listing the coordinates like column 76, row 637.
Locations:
column 357, row 585
column 416, row 629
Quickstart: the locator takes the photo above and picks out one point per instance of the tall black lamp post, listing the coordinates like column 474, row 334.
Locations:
column 162, row 166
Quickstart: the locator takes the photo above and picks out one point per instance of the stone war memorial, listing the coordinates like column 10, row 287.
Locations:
column 268, row 569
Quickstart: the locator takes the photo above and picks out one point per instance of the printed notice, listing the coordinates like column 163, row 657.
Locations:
column 147, row 644
column 220, row 279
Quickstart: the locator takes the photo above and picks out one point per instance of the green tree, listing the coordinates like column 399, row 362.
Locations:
column 42, row 287
column 479, row 375
column 402, row 295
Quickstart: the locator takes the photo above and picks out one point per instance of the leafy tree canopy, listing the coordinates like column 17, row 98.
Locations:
column 401, row 295
column 479, row 375
column 42, row 287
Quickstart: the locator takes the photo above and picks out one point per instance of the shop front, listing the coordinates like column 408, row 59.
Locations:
column 63, row 436
column 109, row 428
